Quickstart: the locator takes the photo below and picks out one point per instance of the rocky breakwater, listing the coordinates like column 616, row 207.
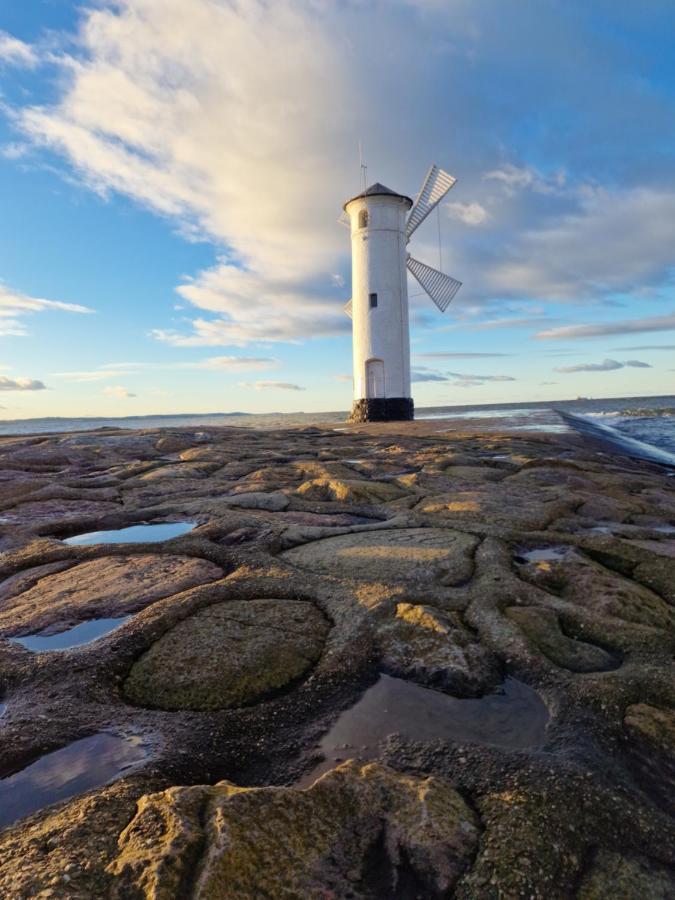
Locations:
column 522, row 582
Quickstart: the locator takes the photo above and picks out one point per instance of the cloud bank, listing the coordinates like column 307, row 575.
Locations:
column 20, row 384
column 608, row 365
column 238, row 122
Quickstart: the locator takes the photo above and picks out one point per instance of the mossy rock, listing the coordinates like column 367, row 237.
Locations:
column 542, row 627
column 359, row 832
column 230, row 654
column 623, row 878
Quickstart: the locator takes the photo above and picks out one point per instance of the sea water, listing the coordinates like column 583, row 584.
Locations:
column 650, row 420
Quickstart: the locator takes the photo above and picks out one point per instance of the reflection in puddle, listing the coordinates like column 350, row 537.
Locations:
column 665, row 529
column 84, row 633
column 134, row 534
column 514, row 719
column 3, row 707
column 82, row 765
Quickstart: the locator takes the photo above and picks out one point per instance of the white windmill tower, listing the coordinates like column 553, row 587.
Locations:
column 381, row 223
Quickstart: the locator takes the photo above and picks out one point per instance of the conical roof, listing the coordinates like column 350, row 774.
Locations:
column 378, row 190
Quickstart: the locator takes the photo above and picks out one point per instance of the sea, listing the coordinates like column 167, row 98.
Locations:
column 637, row 426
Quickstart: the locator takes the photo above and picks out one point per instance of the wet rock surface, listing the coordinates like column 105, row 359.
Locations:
column 469, row 563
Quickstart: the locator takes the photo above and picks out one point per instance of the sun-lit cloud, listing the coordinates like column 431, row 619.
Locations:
column 20, row 384
column 239, row 121
column 118, row 391
column 271, row 386
column 607, row 365
column 14, row 305
column 233, row 363
column 449, row 355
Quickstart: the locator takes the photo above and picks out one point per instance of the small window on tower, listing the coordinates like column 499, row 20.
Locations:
column 363, row 218
column 373, row 300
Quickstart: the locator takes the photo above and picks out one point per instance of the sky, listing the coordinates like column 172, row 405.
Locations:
column 172, row 173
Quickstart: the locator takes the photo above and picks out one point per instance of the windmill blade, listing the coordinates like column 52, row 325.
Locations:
column 436, row 185
column 441, row 288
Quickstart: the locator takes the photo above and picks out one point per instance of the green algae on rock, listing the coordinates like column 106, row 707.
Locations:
column 623, row 878
column 358, row 832
column 542, row 627
column 229, row 654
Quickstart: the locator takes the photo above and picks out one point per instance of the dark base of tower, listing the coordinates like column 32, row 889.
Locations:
column 380, row 409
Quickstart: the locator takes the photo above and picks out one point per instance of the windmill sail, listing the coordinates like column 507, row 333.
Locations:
column 436, row 185
column 441, row 288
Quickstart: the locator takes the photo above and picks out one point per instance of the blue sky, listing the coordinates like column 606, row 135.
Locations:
column 171, row 175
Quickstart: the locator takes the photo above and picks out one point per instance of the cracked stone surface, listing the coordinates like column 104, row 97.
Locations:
column 321, row 559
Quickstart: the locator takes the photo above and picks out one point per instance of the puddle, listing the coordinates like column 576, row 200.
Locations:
column 77, row 636
column 3, row 707
column 88, row 763
column 543, row 554
column 665, row 529
column 515, row 719
column 134, row 534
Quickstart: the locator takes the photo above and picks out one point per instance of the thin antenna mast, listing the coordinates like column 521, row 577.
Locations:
column 363, row 167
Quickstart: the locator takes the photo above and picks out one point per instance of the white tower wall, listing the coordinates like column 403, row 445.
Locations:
column 380, row 333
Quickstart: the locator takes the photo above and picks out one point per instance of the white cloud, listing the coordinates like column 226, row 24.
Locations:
column 601, row 329
column 271, row 386
column 118, row 391
column 16, row 52
column 468, row 213
column 513, row 178
column 448, row 355
column 239, row 121
column 464, row 377
column 608, row 365
column 20, row 384
column 14, row 305
column 234, row 363
column 94, row 375
column 650, row 347
column 112, row 371
column 614, row 242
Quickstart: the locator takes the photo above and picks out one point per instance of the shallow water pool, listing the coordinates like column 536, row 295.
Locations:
column 515, row 719
column 88, row 763
column 77, row 636
column 133, row 534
